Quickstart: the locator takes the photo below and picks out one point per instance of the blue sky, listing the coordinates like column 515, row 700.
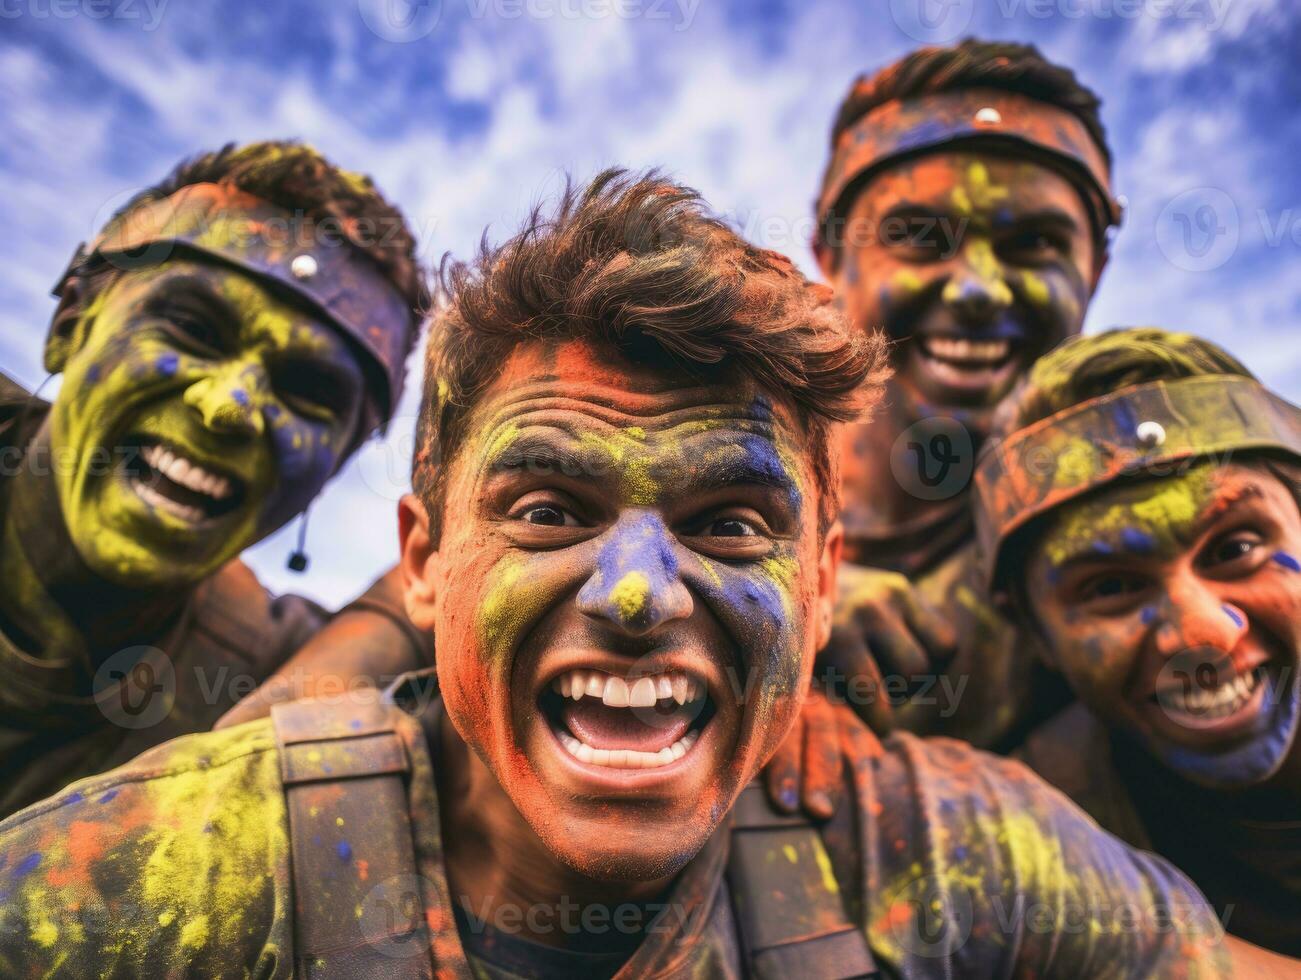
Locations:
column 468, row 111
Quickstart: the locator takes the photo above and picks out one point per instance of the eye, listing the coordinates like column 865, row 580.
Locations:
column 1232, row 551
column 548, row 515
column 311, row 389
column 731, row 527
column 195, row 330
column 1111, row 591
column 1031, row 247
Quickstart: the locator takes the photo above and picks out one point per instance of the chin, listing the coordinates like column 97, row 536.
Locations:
column 1244, row 746
column 606, row 848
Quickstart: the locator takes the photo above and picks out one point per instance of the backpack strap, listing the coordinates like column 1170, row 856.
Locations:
column 344, row 768
column 788, row 903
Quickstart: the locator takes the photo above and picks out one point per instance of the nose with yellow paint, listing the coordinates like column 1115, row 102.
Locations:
column 229, row 401
column 636, row 586
column 978, row 287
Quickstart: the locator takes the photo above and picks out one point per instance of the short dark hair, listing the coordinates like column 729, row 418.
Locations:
column 636, row 263
column 298, row 178
column 972, row 63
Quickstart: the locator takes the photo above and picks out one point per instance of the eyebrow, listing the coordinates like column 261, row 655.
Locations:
column 739, row 468
column 1143, row 545
column 1046, row 216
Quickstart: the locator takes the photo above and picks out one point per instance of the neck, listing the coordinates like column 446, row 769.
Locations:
column 876, row 503
column 52, row 605
column 497, row 864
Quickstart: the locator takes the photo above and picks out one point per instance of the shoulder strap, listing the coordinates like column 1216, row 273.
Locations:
column 358, row 910
column 788, row 904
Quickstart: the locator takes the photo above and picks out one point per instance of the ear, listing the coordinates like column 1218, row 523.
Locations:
column 419, row 559
column 828, row 565
column 68, row 327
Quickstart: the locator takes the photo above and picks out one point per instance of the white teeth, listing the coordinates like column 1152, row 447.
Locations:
column 185, row 512
column 616, row 692
column 952, row 348
column 627, row 758
column 1218, row 702
column 680, row 685
column 186, row 472
column 642, row 694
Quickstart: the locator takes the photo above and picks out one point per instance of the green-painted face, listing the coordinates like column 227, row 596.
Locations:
column 198, row 412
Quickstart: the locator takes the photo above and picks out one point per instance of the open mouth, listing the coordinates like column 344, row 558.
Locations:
column 647, row 722
column 168, row 480
column 962, row 358
column 1222, row 708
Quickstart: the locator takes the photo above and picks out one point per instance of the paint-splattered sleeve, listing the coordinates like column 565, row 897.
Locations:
column 175, row 864
column 971, row 858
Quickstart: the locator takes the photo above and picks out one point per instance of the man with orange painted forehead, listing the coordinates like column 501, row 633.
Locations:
column 1142, row 518
column 624, row 536
column 964, row 215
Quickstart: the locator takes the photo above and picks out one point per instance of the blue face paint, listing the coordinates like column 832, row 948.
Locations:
column 1138, row 541
column 1284, row 560
column 1148, row 615
column 635, row 571
column 167, row 365
column 1233, row 615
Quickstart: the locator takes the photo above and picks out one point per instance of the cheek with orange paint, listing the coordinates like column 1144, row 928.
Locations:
column 1201, row 666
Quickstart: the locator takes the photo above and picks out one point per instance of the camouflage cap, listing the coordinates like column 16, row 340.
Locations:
column 1143, row 431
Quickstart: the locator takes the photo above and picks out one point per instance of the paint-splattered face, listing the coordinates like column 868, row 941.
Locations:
column 197, row 413
column 630, row 587
column 1173, row 606
column 976, row 263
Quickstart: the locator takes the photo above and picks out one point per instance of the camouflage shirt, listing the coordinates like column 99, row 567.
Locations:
column 954, row 862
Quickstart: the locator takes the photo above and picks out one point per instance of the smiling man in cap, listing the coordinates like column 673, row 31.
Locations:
column 964, row 215
column 228, row 339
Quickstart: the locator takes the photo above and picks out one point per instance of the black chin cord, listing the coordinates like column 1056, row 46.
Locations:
column 298, row 557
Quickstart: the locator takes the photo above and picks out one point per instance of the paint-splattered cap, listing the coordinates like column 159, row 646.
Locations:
column 943, row 120
column 1143, row 431
column 309, row 258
